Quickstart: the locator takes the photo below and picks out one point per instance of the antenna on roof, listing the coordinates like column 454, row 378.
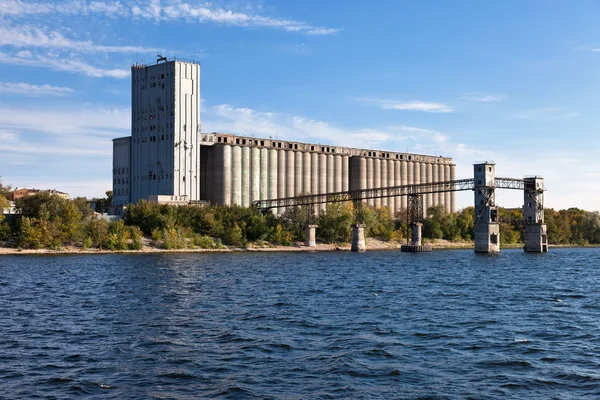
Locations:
column 160, row 58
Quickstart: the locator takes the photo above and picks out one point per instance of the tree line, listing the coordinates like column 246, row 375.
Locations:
column 48, row 221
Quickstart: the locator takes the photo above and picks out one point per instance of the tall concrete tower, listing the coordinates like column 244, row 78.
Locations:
column 165, row 131
column 487, row 228
column 536, row 238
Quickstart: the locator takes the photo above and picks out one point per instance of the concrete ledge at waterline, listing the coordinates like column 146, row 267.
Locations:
column 414, row 248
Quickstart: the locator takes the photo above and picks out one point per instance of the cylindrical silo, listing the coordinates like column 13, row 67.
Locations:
column 421, row 171
column 345, row 173
column 254, row 174
column 416, row 173
column 370, row 178
column 391, row 201
column 290, row 173
column 246, row 176
column 322, row 173
column 447, row 194
column 330, row 170
column 306, row 173
column 377, row 177
column 314, row 173
column 384, row 180
column 236, row 173
column 429, row 179
column 404, row 181
column 337, row 173
column 222, row 177
column 453, row 194
column 441, row 178
column 322, row 177
column 298, row 170
column 273, row 174
column 264, row 174
column 434, row 179
column 358, row 173
column 281, row 173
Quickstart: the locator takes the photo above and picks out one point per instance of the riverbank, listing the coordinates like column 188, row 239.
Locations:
column 372, row 245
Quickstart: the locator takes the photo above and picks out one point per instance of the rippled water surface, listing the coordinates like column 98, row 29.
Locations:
column 443, row 325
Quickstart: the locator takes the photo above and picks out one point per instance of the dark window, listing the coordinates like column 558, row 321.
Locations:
column 494, row 215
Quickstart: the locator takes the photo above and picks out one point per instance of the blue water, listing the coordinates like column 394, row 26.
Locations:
column 442, row 325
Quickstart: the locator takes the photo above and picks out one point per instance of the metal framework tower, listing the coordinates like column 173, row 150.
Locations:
column 487, row 228
column 536, row 238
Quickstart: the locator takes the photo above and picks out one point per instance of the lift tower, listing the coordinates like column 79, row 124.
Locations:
column 487, row 228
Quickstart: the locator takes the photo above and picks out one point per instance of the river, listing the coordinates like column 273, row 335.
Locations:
column 440, row 325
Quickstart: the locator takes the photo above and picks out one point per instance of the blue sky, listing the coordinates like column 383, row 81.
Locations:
column 515, row 82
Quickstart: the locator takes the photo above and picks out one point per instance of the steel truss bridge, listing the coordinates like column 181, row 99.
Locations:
column 414, row 193
column 391, row 191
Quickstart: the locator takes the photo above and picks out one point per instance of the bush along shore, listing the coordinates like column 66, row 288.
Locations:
column 46, row 221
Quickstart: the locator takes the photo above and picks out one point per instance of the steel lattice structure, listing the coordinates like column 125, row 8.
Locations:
column 391, row 191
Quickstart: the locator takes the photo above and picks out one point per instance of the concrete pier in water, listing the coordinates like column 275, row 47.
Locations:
column 536, row 238
column 415, row 245
column 487, row 228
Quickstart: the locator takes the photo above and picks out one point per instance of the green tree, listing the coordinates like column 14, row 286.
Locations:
column 335, row 223
column 29, row 235
column 104, row 203
column 97, row 230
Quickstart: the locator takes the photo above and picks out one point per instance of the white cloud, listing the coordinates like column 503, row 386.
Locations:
column 547, row 113
column 435, row 139
column 154, row 10
column 35, row 37
column 34, row 90
column 483, row 97
column 67, row 63
column 417, row 105
column 245, row 121
column 88, row 122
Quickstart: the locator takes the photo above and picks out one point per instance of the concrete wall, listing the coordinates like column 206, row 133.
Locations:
column 242, row 170
column 121, row 171
column 165, row 123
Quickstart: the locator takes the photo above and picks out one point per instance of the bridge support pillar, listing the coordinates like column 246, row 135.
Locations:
column 358, row 238
column 416, row 228
column 487, row 228
column 310, row 236
column 536, row 238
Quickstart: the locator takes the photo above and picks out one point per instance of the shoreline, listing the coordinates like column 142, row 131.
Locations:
column 372, row 245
